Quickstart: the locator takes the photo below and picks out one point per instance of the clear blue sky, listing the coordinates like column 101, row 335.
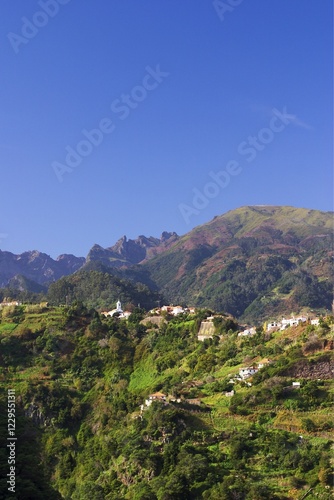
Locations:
column 217, row 77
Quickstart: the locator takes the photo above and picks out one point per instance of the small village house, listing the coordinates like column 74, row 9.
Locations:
column 247, row 372
column 157, row 396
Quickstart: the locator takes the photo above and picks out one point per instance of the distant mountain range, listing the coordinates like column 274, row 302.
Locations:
column 37, row 266
column 252, row 262
column 43, row 270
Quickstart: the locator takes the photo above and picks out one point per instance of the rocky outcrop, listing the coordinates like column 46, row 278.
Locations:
column 323, row 369
column 127, row 252
column 35, row 414
column 37, row 266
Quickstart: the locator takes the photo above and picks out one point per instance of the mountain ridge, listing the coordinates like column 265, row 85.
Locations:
column 243, row 255
column 252, row 262
column 43, row 269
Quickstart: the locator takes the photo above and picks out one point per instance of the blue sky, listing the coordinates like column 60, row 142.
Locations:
column 181, row 91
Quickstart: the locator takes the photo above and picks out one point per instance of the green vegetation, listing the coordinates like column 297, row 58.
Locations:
column 80, row 380
column 100, row 289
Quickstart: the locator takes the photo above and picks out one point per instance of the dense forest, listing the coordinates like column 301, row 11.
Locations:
column 96, row 286
column 84, row 430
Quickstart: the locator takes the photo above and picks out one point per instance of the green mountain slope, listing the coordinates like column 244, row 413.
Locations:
column 99, row 286
column 80, row 380
column 253, row 262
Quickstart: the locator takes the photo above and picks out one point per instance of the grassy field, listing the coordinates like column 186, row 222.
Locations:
column 7, row 327
column 144, row 376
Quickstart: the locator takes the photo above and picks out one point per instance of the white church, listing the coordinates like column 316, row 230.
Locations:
column 119, row 311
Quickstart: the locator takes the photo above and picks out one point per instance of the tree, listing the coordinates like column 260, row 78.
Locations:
column 88, row 491
column 326, row 476
column 309, row 425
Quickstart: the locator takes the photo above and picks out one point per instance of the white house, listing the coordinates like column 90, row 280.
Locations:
column 229, row 394
column 247, row 372
column 272, row 325
column 157, row 396
column 315, row 321
column 292, row 321
column 177, row 310
column 248, row 332
column 174, row 310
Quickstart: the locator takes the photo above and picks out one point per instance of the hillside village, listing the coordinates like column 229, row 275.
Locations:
column 207, row 327
column 207, row 331
column 123, row 388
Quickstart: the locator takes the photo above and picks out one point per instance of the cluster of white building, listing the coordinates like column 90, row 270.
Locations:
column 249, row 371
column 285, row 323
column 173, row 310
column 249, row 332
column 281, row 325
column 7, row 302
column 165, row 399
